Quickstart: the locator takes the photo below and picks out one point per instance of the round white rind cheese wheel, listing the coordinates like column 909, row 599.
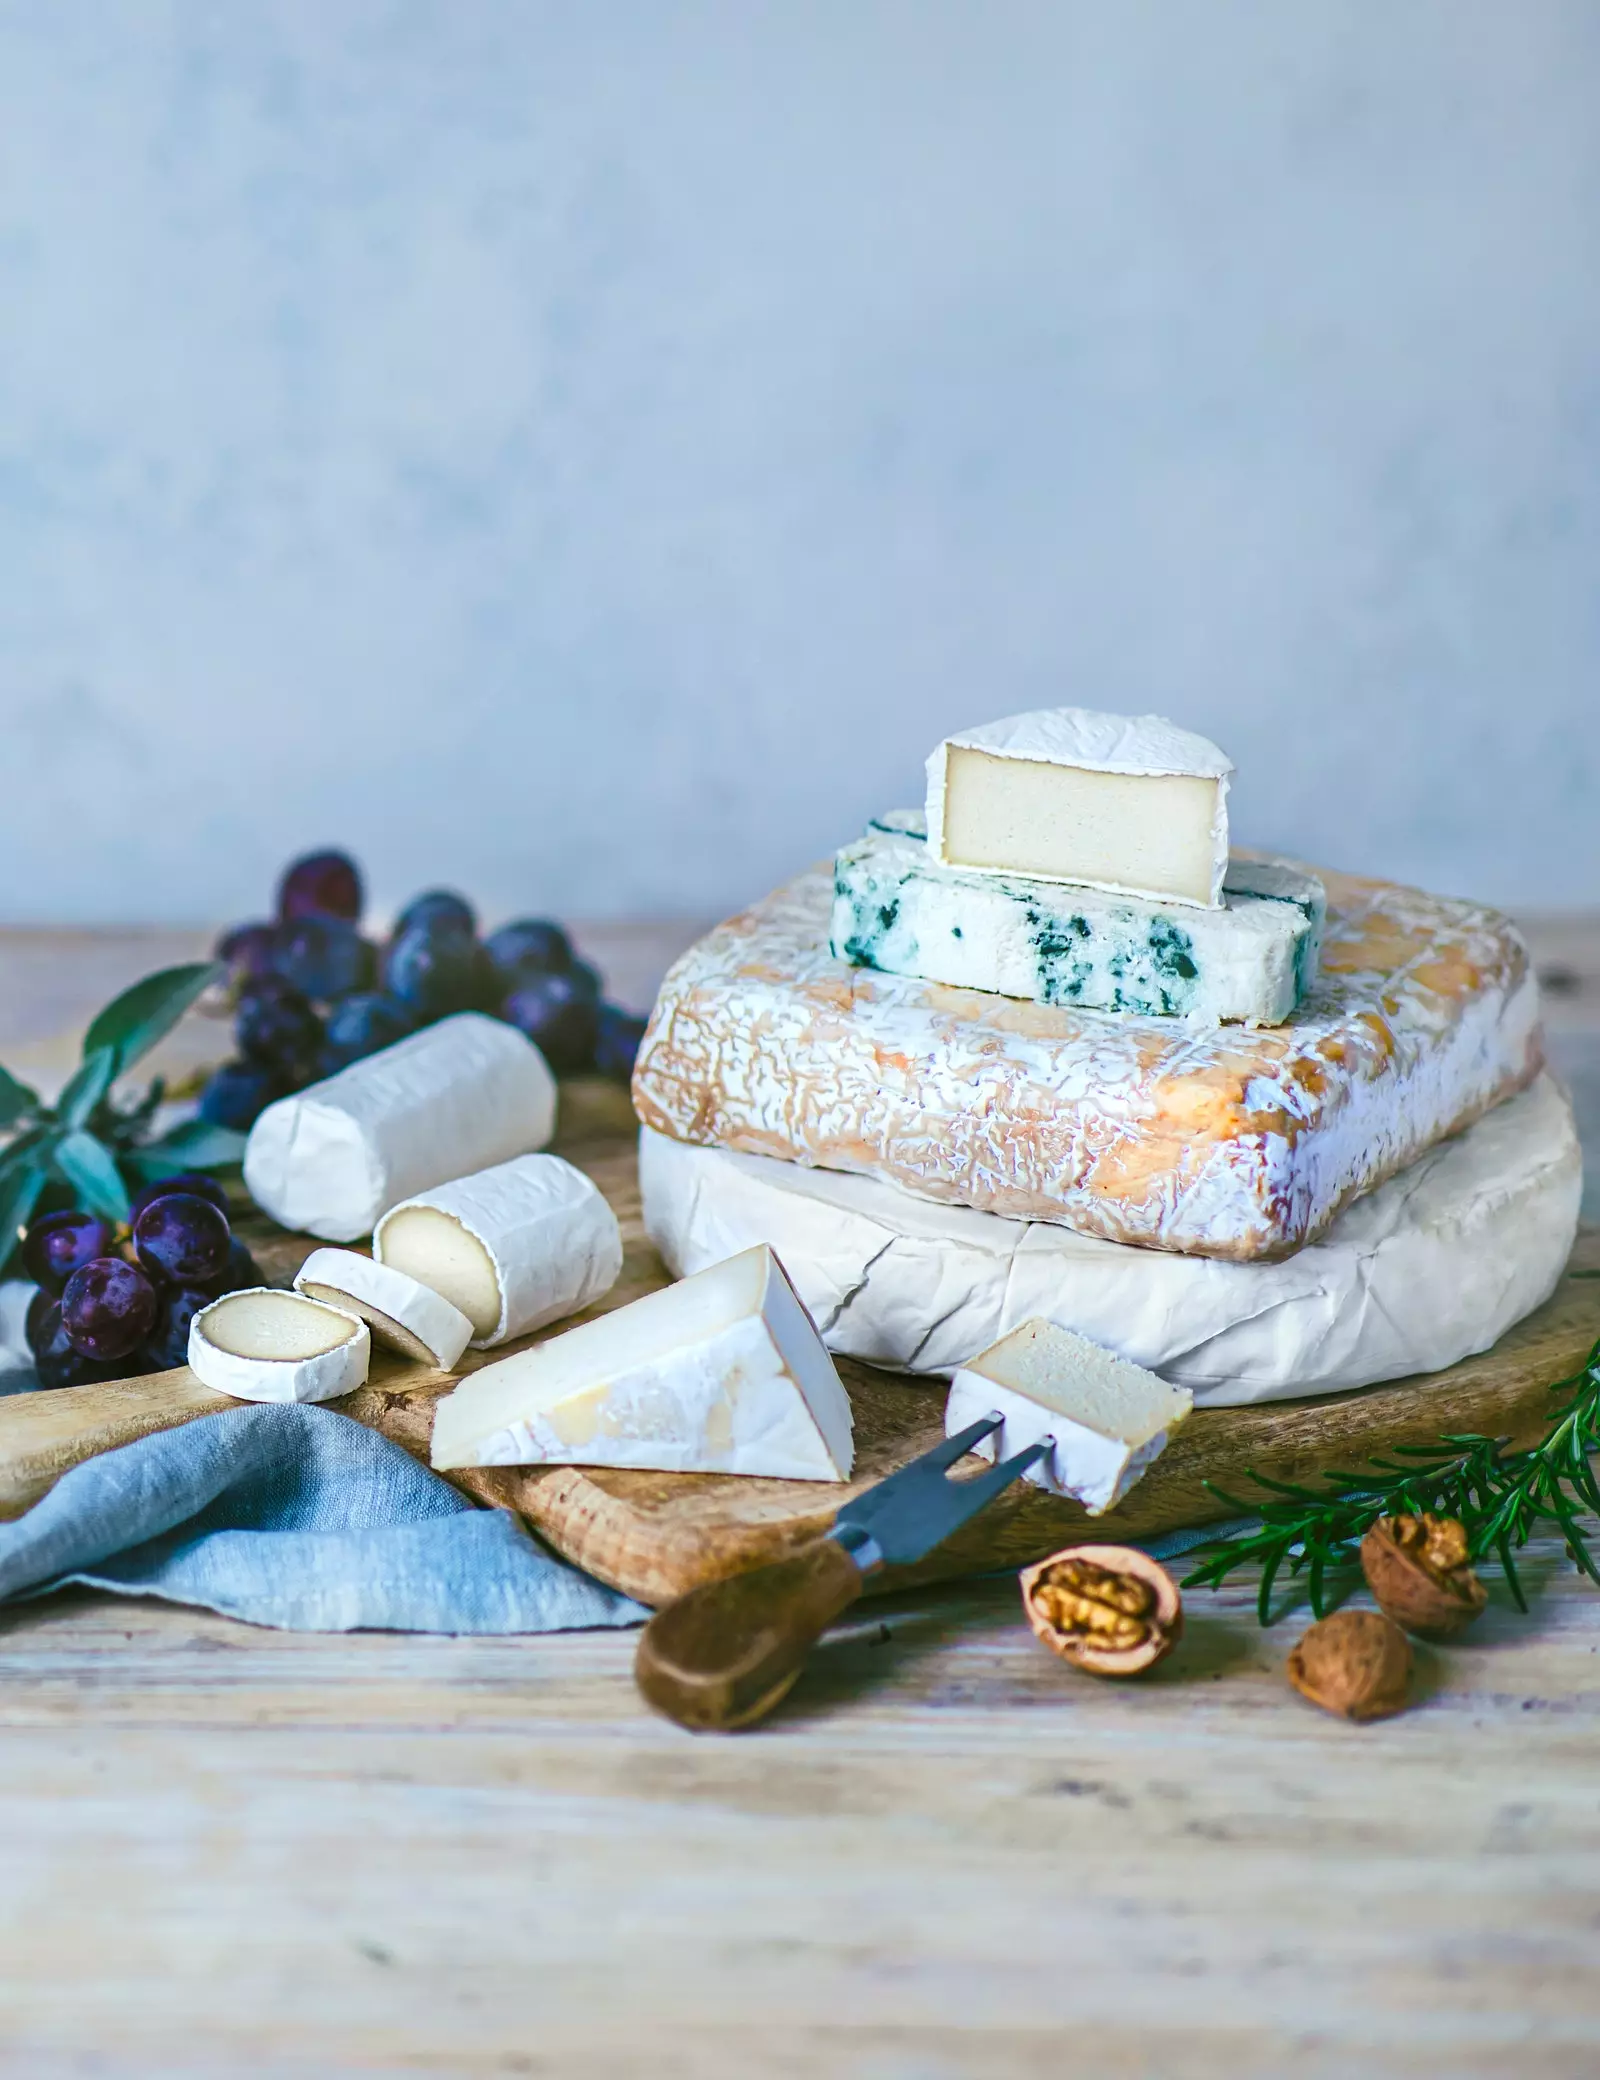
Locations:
column 322, row 1377
column 549, row 1233
column 1431, row 1266
column 403, row 1314
column 461, row 1094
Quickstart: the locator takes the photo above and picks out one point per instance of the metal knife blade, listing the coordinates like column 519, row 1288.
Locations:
column 905, row 1516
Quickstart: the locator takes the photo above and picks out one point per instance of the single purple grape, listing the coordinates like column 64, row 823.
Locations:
column 323, row 957
column 435, row 972
column 35, row 1322
column 238, row 1093
column 168, row 1345
column 526, row 947
column 195, row 1181
column 616, row 1046
column 109, row 1306
column 182, row 1240
column 321, row 884
column 248, row 949
column 440, row 909
column 56, row 1244
column 561, row 1016
column 59, row 1363
column 276, row 1025
column 362, row 1024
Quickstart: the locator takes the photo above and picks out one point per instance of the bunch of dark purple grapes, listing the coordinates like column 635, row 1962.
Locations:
column 314, row 995
column 104, row 1312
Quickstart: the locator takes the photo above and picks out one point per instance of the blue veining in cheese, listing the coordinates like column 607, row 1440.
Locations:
column 896, row 909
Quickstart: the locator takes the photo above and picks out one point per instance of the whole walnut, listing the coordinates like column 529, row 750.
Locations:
column 1356, row 1664
column 1417, row 1568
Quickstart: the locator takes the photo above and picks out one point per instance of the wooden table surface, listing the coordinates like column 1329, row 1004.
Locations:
column 233, row 1851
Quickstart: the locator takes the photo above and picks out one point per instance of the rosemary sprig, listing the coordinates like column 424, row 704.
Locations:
column 1501, row 1497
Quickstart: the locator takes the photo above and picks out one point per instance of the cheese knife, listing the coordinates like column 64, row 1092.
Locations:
column 721, row 1657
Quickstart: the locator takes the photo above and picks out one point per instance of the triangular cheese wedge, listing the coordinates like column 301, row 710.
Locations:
column 1107, row 1419
column 723, row 1373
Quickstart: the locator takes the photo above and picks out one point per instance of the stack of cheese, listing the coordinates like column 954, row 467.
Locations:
column 1054, row 1055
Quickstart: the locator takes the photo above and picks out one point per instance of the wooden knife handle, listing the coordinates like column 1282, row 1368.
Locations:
column 723, row 1656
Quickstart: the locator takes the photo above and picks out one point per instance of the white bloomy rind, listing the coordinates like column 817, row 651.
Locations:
column 347, row 1279
column 1055, row 795
column 1108, row 1420
column 458, row 1096
column 16, row 1297
column 295, row 1357
column 1435, row 1264
column 723, row 1373
column 897, row 910
column 552, row 1242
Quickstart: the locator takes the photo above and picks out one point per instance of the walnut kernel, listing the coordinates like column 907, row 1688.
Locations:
column 1109, row 1609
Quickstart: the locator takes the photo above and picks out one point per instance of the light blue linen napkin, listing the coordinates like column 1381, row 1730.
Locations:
column 300, row 1518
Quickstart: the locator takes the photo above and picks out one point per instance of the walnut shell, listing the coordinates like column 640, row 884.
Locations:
column 1356, row 1664
column 1417, row 1569
column 1111, row 1610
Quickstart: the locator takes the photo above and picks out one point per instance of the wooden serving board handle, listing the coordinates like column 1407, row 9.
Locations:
column 721, row 1657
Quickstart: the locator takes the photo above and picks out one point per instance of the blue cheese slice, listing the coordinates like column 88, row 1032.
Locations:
column 1130, row 803
column 1107, row 1420
column 896, row 909
column 723, row 1373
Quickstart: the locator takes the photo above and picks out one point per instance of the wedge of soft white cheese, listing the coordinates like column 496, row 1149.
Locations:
column 513, row 1247
column 1108, row 1420
column 1129, row 803
column 723, row 1373
column 403, row 1314
column 265, row 1345
column 896, row 909
column 456, row 1097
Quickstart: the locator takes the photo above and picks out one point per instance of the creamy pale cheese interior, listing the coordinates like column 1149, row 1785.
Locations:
column 1067, row 1374
column 1146, row 833
column 565, row 1381
column 436, row 1249
column 279, row 1326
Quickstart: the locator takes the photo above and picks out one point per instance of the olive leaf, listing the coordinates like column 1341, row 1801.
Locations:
column 132, row 1023
column 87, row 1086
column 16, row 1099
column 196, row 1145
column 19, row 1194
column 91, row 1169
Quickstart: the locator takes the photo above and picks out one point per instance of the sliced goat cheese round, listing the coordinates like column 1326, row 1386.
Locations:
column 463, row 1093
column 403, row 1314
column 514, row 1247
column 263, row 1344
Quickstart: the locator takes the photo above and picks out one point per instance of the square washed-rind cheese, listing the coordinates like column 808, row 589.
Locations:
column 1432, row 1266
column 1106, row 1420
column 546, row 1241
column 1129, row 803
column 1225, row 1142
column 895, row 908
column 723, row 1373
column 463, row 1093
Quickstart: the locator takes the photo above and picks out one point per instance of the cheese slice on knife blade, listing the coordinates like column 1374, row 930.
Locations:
column 1432, row 1266
column 1107, row 1421
column 403, row 1314
column 461, row 1094
column 724, row 1373
column 265, row 1345
column 1131, row 803
column 514, row 1247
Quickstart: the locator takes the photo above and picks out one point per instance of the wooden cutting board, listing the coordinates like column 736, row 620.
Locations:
column 657, row 1534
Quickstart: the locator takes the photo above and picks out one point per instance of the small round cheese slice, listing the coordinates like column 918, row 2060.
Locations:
column 403, row 1314
column 265, row 1345
column 514, row 1247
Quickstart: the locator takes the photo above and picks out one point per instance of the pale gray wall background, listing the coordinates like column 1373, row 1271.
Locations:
column 589, row 452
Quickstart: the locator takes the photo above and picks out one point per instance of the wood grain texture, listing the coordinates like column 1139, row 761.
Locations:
column 658, row 1535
